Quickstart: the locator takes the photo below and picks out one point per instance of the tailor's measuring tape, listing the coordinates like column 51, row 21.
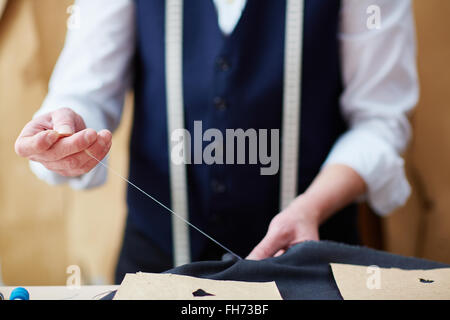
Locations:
column 291, row 112
column 293, row 44
column 175, row 120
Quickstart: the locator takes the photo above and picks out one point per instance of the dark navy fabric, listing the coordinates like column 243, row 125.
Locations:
column 140, row 253
column 233, row 81
column 303, row 272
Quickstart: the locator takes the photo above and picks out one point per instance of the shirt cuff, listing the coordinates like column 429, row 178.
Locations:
column 379, row 165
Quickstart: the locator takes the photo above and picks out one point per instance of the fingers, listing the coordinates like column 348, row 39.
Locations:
column 269, row 245
column 67, row 146
column 27, row 146
column 98, row 150
column 65, row 121
column 81, row 162
column 39, row 124
column 39, row 135
column 279, row 253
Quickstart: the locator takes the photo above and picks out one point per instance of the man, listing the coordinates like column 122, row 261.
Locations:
column 358, row 82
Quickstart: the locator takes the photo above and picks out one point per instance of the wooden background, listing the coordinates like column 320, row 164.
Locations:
column 44, row 229
column 422, row 227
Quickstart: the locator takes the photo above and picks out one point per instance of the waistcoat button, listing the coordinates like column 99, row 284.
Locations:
column 220, row 103
column 223, row 64
column 218, row 187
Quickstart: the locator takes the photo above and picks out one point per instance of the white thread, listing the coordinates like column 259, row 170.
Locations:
column 162, row 205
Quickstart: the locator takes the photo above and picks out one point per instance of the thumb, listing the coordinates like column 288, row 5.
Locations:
column 268, row 246
column 64, row 121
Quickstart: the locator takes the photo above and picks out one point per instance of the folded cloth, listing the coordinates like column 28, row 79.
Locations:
column 303, row 272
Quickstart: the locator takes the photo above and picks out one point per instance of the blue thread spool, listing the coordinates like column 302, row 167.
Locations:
column 19, row 294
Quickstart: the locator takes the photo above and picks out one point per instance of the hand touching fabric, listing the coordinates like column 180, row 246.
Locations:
column 335, row 187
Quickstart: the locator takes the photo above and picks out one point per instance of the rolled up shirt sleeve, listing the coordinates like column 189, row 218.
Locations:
column 380, row 89
column 92, row 75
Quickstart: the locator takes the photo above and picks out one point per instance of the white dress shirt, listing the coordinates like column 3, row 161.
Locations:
column 380, row 81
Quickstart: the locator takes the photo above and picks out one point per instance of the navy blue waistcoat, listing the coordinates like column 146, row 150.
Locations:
column 233, row 203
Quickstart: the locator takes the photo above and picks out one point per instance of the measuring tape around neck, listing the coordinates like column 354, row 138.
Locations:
column 175, row 115
column 175, row 120
column 290, row 134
